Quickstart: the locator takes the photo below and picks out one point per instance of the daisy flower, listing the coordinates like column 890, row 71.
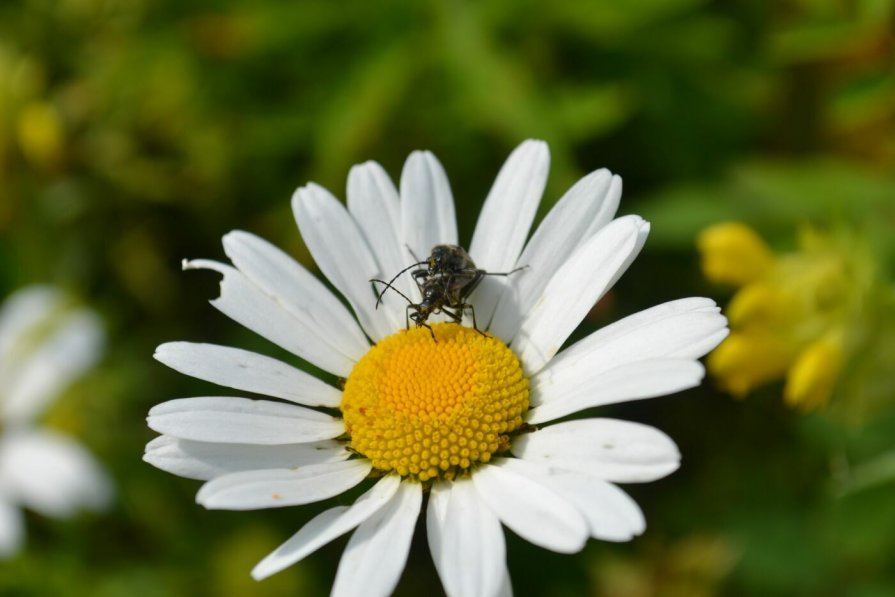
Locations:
column 464, row 417
column 45, row 343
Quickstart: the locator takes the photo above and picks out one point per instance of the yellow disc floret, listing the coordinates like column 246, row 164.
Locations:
column 425, row 408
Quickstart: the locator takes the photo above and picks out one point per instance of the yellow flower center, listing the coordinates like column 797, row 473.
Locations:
column 425, row 409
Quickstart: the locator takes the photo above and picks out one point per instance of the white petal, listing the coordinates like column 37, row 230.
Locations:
column 52, row 474
column 588, row 206
column 345, row 258
column 686, row 329
column 23, row 311
column 611, row 514
column 298, row 291
column 468, row 539
column 327, row 526
column 205, row 460
column 242, row 421
column 436, row 514
column 609, row 449
column 248, row 371
column 374, row 204
column 575, row 288
column 510, row 207
column 632, row 381
column 506, row 586
column 531, row 510
column 74, row 344
column 276, row 488
column 377, row 551
column 427, row 205
column 506, row 219
column 608, row 207
column 12, row 529
column 250, row 306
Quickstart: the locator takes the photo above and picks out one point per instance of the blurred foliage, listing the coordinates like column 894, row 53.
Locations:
column 134, row 133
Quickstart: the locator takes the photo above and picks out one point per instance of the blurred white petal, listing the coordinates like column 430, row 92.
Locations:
column 36, row 372
column 12, row 528
column 52, row 474
column 22, row 311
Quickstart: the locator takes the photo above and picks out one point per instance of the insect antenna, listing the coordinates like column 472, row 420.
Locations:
column 412, row 254
column 387, row 286
column 389, row 283
column 512, row 271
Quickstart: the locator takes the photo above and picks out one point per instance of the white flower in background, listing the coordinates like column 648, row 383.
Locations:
column 465, row 418
column 45, row 343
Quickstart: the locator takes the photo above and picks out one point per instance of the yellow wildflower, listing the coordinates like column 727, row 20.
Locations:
column 791, row 312
column 813, row 374
column 746, row 360
column 733, row 253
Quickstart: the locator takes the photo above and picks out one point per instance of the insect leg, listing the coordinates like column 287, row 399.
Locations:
column 419, row 276
column 475, row 326
column 456, row 317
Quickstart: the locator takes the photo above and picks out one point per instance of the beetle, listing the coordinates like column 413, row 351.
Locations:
column 446, row 281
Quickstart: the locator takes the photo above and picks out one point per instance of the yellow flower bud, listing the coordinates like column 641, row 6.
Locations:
column 733, row 253
column 744, row 361
column 812, row 377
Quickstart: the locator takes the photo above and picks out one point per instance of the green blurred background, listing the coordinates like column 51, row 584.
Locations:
column 134, row 133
